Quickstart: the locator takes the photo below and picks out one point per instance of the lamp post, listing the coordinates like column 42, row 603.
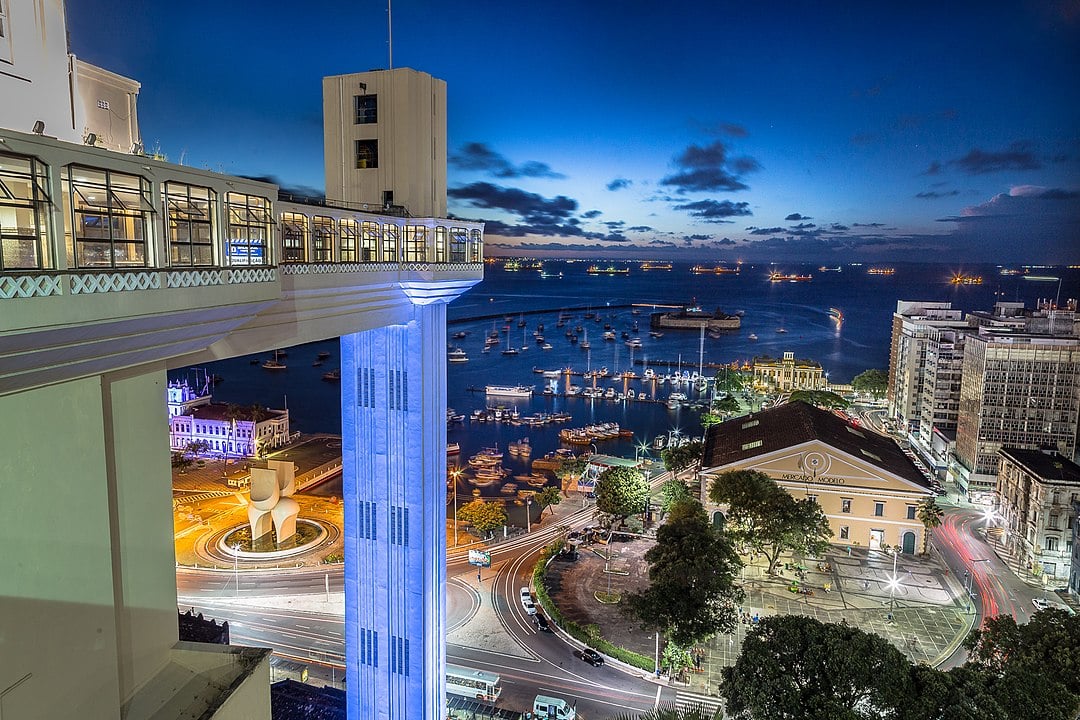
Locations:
column 656, row 657
column 236, row 569
column 455, row 474
column 528, row 515
column 893, row 582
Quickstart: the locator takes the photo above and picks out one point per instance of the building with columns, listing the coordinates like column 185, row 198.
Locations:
column 115, row 267
column 869, row 490
column 787, row 374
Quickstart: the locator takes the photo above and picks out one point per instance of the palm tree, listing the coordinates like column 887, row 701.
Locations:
column 930, row 515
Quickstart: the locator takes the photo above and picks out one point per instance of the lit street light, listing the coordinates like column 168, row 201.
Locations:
column 455, row 474
column 236, row 568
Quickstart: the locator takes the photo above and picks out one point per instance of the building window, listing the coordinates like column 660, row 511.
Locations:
column 388, row 247
column 322, row 238
column 367, row 109
column 249, row 228
column 189, row 218
column 440, row 244
column 294, row 230
column 1051, row 543
column 749, row 424
column 476, row 246
column 812, row 498
column 845, row 532
column 845, row 505
column 5, row 33
column 415, row 243
column 348, row 231
column 369, row 241
column 110, row 216
column 910, row 512
column 879, row 509
column 24, row 204
column 367, row 154
column 459, row 238
column 752, row 445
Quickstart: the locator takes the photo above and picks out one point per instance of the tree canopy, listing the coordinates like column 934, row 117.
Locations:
column 692, row 593
column 798, row 667
column 621, row 492
column 548, row 498
column 820, row 398
column 931, row 516
column 764, row 516
column 671, row 492
column 484, row 516
column 873, row 382
column 682, row 457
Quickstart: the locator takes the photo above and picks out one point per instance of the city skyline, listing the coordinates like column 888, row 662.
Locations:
column 725, row 133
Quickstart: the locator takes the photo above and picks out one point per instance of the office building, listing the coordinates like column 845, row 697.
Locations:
column 116, row 266
column 1038, row 492
column 868, row 488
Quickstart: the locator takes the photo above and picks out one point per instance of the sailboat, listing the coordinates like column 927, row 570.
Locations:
column 274, row 363
column 509, row 350
column 585, row 344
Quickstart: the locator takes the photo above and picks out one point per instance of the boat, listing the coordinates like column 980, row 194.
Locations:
column 274, row 363
column 520, row 447
column 655, row 334
column 509, row 488
column 717, row 270
column 457, row 355
column 781, row 330
column 655, row 266
column 781, row 277
column 453, row 448
column 323, row 354
column 752, row 336
column 460, row 335
column 585, row 344
column 609, row 270
column 546, row 346
column 829, row 269
column 509, row 350
column 836, row 314
column 633, row 343
column 509, row 390
column 332, row 376
column 962, row 279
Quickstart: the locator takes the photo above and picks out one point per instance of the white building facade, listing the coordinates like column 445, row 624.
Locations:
column 225, row 430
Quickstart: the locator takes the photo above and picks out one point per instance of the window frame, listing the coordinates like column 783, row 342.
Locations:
column 348, row 239
column 323, row 232
column 36, row 179
column 170, row 201
column 108, row 217
column 366, row 113
column 242, row 216
column 295, row 230
column 367, row 153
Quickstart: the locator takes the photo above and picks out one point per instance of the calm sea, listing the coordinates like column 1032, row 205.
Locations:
column 844, row 349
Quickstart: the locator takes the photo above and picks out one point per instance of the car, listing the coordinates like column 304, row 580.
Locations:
column 541, row 623
column 527, row 602
column 1039, row 603
column 592, row 657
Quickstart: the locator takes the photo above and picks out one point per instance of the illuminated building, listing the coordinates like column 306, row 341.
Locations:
column 116, row 266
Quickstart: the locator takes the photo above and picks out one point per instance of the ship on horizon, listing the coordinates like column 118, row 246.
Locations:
column 781, row 277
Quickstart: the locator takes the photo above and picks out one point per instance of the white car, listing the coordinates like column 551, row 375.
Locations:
column 527, row 601
column 1039, row 603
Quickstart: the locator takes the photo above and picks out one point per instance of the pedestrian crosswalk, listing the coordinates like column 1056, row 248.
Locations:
column 709, row 706
column 187, row 499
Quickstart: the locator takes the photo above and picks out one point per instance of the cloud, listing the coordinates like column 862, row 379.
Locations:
column 479, row 157
column 837, row 227
column 1017, row 156
column 530, row 206
column 766, row 231
column 590, row 214
column 619, row 184
column 869, row 225
column 639, row 228
column 715, row 210
column 932, row 194
column 662, row 243
column 1042, row 193
column 803, row 226
column 615, row 223
column 696, row 236
column 709, row 169
column 722, row 242
column 797, row 216
column 935, row 168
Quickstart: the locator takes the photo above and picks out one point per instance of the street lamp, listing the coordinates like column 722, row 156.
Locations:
column 656, row 657
column 455, row 474
column 236, row 569
column 893, row 582
column 528, row 518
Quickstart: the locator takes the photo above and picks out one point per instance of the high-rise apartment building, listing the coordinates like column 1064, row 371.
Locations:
column 1018, row 390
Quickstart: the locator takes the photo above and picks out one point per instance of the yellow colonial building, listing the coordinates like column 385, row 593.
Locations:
column 787, row 374
column 869, row 489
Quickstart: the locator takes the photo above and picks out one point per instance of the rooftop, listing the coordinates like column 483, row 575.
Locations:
column 1049, row 467
column 795, row 423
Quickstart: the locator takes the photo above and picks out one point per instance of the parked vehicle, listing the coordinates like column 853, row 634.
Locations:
column 527, row 602
column 541, row 623
column 553, row 708
column 592, row 657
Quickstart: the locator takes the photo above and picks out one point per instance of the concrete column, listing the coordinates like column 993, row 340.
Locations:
column 393, row 417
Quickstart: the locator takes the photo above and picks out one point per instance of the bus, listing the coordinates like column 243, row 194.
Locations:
column 471, row 683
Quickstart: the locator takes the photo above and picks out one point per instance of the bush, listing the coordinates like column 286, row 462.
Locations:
column 333, row 558
column 590, row 635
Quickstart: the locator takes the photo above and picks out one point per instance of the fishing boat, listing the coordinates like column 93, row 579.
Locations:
column 274, row 363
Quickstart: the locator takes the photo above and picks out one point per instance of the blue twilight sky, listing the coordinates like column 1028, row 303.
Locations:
column 822, row 131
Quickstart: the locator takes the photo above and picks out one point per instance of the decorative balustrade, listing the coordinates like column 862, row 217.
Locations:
column 28, row 286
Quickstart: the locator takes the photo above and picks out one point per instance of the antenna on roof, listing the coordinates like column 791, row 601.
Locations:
column 390, row 34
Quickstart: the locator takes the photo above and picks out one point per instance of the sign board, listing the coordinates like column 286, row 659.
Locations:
column 481, row 558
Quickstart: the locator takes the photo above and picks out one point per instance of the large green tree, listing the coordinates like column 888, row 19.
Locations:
column 1034, row 667
column 549, row 497
column 872, row 382
column 692, row 593
column 798, row 667
column 484, row 516
column 668, row 711
column 621, row 492
column 729, row 381
column 931, row 516
column 682, row 457
column 820, row 398
column 764, row 516
column 671, row 492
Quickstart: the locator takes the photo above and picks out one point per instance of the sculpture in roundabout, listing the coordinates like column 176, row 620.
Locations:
column 272, row 506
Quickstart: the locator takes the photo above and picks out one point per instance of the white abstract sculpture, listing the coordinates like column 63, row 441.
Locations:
column 271, row 501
